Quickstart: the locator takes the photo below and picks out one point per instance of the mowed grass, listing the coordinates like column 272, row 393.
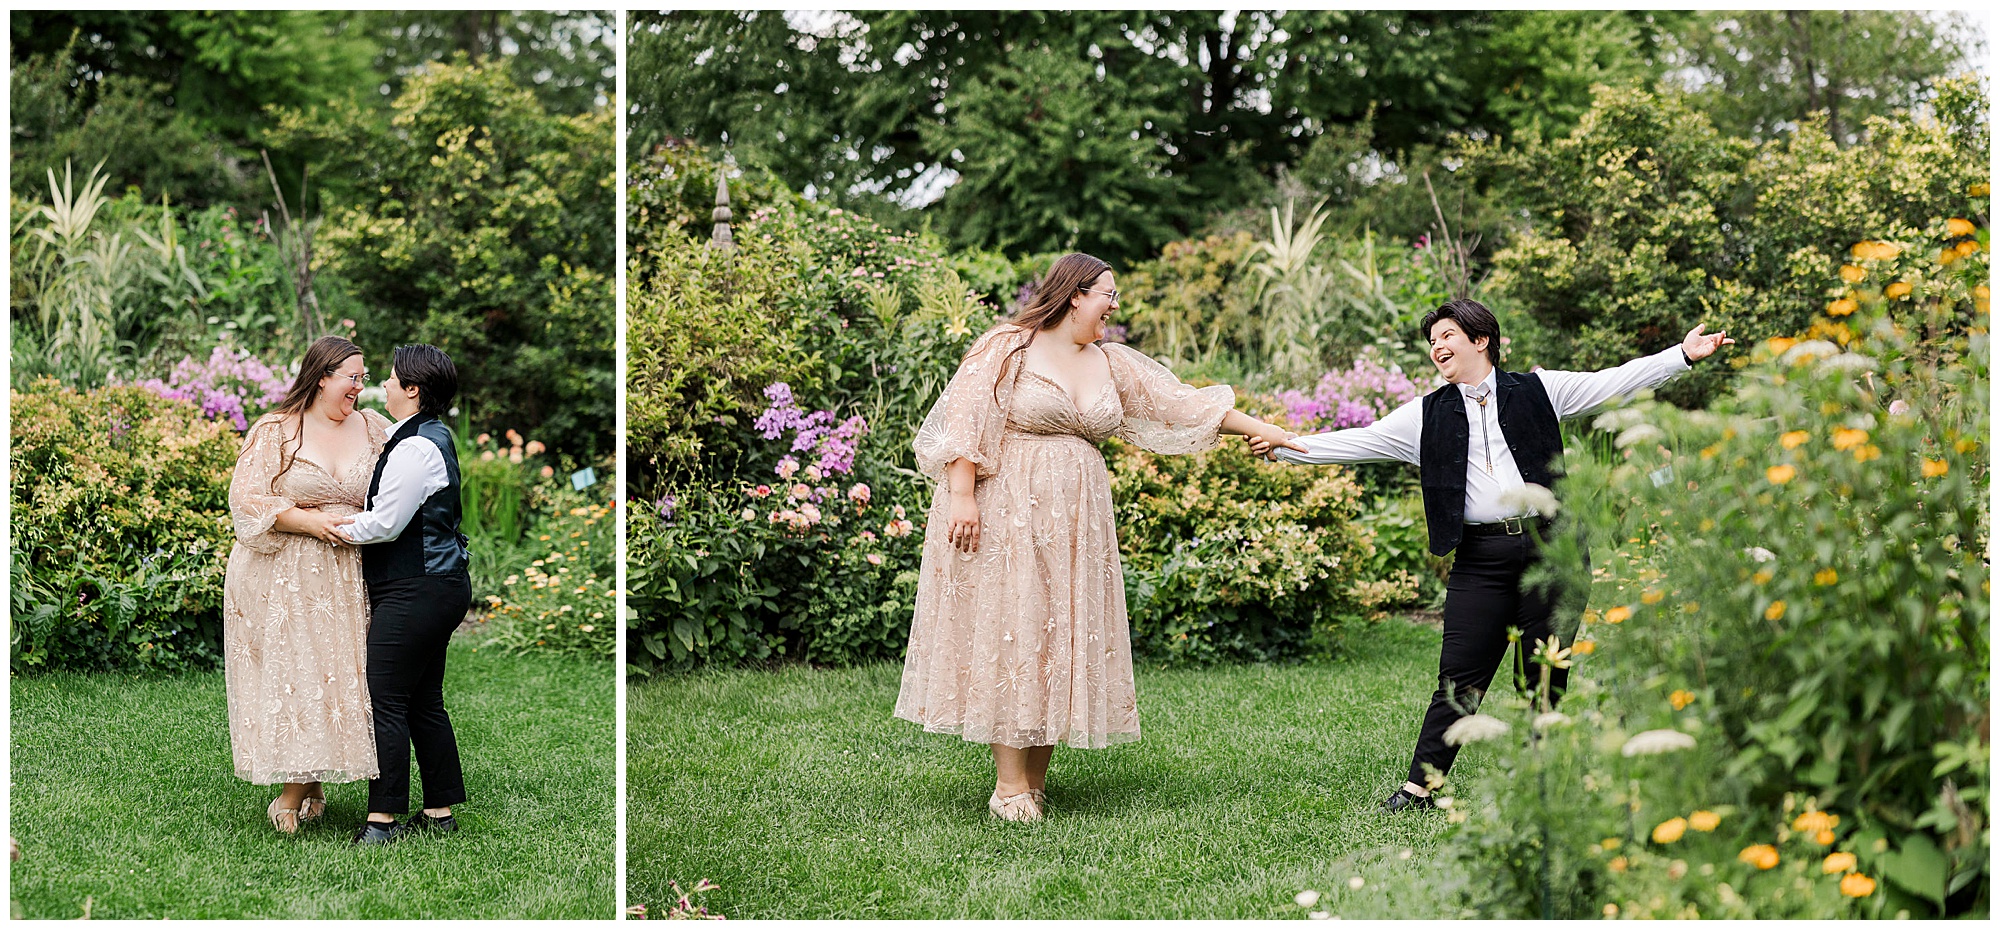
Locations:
column 800, row 795
column 123, row 795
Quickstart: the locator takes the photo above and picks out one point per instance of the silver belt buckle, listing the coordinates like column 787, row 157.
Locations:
column 1514, row 525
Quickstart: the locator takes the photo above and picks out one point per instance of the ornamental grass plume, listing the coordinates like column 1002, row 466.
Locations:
column 1473, row 728
column 1654, row 742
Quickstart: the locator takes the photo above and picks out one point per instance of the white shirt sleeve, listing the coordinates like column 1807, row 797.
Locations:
column 415, row 471
column 1394, row 438
column 1573, row 393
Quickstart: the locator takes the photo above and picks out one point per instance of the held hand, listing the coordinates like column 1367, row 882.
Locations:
column 1263, row 445
column 1699, row 346
column 322, row 525
column 963, row 530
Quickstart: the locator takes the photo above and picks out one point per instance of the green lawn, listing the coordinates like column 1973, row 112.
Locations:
column 800, row 795
column 123, row 795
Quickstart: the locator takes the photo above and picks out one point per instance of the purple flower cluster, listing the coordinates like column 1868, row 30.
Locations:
column 1349, row 397
column 833, row 445
column 232, row 385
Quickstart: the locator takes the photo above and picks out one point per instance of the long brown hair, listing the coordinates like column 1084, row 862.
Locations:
column 1049, row 305
column 322, row 358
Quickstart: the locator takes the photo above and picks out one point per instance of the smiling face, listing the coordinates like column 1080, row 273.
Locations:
column 339, row 391
column 1090, row 310
column 1458, row 359
column 401, row 400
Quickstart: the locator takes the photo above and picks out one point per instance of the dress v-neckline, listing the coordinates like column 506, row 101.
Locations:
column 1073, row 405
column 337, row 479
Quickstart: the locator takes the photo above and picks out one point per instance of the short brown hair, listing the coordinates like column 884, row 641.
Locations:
column 1472, row 317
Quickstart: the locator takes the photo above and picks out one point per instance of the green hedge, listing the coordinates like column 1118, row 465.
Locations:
column 120, row 530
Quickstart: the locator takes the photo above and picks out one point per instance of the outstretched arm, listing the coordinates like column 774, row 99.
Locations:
column 1393, row 438
column 1263, row 437
column 1573, row 393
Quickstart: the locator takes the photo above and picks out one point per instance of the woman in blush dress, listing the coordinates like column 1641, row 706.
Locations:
column 1020, row 637
column 295, row 612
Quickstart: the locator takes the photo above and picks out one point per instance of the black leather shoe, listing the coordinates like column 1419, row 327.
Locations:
column 378, row 834
column 421, row 822
column 1403, row 800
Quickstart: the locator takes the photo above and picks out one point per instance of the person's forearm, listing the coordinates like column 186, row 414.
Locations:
column 1238, row 423
column 960, row 477
column 293, row 520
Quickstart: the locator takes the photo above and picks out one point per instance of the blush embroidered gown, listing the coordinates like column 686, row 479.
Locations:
column 295, row 618
column 1025, row 642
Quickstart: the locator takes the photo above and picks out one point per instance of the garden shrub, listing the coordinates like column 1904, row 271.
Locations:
column 120, row 530
column 564, row 600
column 1800, row 590
column 1231, row 558
column 1645, row 220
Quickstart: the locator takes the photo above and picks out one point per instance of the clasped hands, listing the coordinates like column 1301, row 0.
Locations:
column 309, row 520
column 1265, row 445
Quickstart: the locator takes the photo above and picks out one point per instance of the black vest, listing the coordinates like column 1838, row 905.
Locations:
column 1528, row 423
column 431, row 544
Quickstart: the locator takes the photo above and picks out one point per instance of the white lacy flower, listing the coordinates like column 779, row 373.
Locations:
column 1356, row 883
column 1554, row 718
column 1811, row 348
column 1320, row 915
column 1306, row 898
column 1644, row 432
column 1620, row 418
column 1898, row 407
column 1759, row 554
column 1654, row 742
column 1474, row 728
column 1530, row 498
column 1849, row 361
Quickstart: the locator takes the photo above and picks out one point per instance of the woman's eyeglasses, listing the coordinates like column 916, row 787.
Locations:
column 360, row 380
column 1113, row 293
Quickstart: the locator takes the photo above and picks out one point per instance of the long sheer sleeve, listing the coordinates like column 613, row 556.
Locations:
column 1162, row 414
column 971, row 415
column 254, row 504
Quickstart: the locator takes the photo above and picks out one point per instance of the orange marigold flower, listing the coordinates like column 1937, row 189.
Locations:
column 1842, row 307
column 1782, row 344
column 1705, row 821
column 1618, row 614
column 1794, row 439
column 1651, row 596
column 1853, row 274
column 1825, row 576
column 1780, row 474
column 1823, row 837
column 1876, row 250
column 1812, row 821
column 1857, row 885
column 1867, row 453
column 1763, row 855
column 1976, row 190
column 1838, row 862
column 1956, row 227
column 1680, row 700
column 1776, row 611
column 1982, row 292
column 1670, row 831
column 1897, row 291
column 1936, row 468
column 1584, row 647
column 1618, row 864
column 1845, row 438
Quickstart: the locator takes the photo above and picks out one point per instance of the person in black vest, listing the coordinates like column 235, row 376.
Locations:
column 415, row 563
column 1477, row 442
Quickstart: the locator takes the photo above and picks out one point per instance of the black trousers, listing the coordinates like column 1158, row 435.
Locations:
column 411, row 621
column 1482, row 599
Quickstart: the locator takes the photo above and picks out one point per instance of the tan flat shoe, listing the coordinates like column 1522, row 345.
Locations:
column 284, row 820
column 1020, row 808
column 1041, row 797
column 312, row 809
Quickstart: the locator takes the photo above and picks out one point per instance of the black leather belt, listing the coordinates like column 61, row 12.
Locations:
column 1512, row 526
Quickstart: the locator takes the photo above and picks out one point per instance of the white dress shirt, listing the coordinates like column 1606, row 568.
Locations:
column 415, row 471
column 1398, row 437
